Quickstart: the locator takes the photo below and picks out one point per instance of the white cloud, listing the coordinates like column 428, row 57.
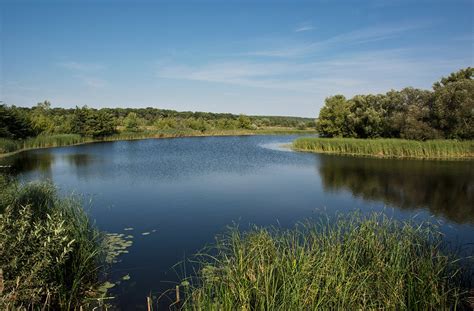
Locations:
column 356, row 37
column 304, row 27
column 375, row 71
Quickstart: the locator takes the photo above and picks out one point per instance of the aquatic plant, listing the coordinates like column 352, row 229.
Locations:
column 350, row 263
column 8, row 145
column 390, row 148
column 50, row 253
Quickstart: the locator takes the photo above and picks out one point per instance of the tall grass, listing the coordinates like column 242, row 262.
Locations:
column 352, row 263
column 59, row 140
column 8, row 145
column 50, row 253
column 41, row 141
column 392, row 148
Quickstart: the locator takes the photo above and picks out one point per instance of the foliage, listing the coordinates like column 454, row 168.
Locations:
column 49, row 250
column 44, row 126
column 92, row 123
column 14, row 123
column 445, row 112
column 132, row 122
column 352, row 263
column 390, row 148
column 333, row 117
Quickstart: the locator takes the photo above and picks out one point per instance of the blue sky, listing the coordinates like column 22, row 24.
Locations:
column 252, row 57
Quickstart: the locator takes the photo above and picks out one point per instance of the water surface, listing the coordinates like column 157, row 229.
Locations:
column 182, row 192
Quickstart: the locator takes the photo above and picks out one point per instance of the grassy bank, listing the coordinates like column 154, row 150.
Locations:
column 390, row 148
column 353, row 263
column 50, row 253
column 9, row 146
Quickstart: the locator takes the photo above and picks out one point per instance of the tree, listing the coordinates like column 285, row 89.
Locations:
column 41, row 118
column 453, row 106
column 131, row 122
column 244, row 122
column 332, row 120
column 92, row 123
column 445, row 112
column 14, row 123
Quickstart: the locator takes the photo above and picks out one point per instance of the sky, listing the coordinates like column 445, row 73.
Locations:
column 251, row 57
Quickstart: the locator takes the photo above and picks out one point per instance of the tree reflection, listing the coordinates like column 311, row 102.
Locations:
column 445, row 188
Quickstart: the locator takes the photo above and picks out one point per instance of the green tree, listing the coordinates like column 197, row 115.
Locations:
column 14, row 123
column 454, row 104
column 131, row 122
column 332, row 120
column 41, row 118
column 244, row 122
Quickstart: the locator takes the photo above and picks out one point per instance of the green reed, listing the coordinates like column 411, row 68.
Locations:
column 391, row 148
column 351, row 263
column 50, row 253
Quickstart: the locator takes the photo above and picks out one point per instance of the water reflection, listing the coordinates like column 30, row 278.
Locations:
column 445, row 188
column 42, row 162
column 29, row 162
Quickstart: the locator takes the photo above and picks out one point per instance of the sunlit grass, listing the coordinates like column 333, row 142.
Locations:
column 391, row 148
column 351, row 263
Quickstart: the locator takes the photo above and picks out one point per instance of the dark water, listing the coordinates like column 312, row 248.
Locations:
column 190, row 189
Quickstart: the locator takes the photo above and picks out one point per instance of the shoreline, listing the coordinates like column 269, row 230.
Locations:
column 385, row 157
column 437, row 150
column 160, row 136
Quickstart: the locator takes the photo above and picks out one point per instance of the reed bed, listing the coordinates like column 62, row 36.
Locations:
column 389, row 148
column 350, row 263
column 50, row 253
column 59, row 140
column 8, row 145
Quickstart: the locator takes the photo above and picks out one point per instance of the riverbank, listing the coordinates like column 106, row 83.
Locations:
column 9, row 147
column 388, row 148
column 350, row 262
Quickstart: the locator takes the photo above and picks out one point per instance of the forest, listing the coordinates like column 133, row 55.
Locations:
column 42, row 119
column 445, row 112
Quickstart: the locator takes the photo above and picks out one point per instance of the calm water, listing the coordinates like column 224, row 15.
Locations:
column 184, row 191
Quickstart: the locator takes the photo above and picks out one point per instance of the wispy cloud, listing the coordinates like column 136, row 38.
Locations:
column 375, row 71
column 356, row 37
column 80, row 66
column 88, row 73
column 304, row 27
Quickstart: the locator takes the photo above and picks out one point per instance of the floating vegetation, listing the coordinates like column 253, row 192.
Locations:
column 116, row 245
column 126, row 277
column 129, row 236
column 104, row 288
column 128, row 229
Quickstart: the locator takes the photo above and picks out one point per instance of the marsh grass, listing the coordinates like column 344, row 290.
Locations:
column 390, row 148
column 8, row 146
column 50, row 253
column 351, row 263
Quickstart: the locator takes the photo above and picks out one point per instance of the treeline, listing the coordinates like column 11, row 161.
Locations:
column 446, row 111
column 20, row 122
